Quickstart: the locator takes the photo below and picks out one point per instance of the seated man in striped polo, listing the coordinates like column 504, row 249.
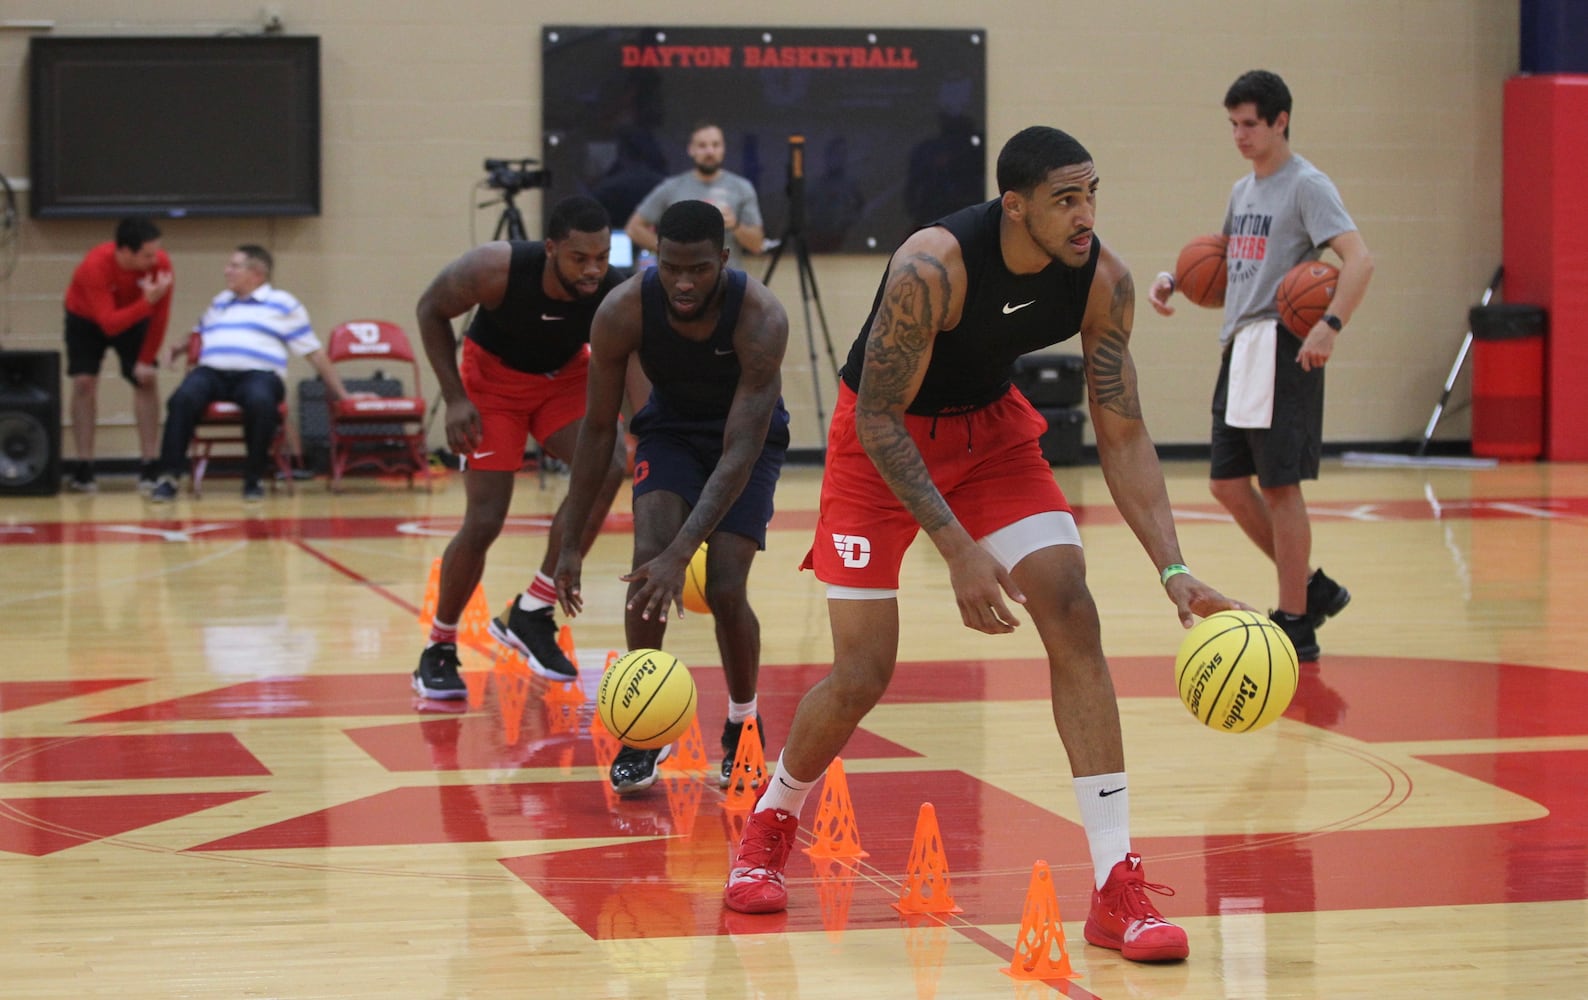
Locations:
column 246, row 334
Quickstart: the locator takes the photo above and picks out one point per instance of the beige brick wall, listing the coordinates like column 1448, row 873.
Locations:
column 1399, row 100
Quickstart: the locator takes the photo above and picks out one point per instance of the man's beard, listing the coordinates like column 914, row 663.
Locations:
column 703, row 300
column 708, row 169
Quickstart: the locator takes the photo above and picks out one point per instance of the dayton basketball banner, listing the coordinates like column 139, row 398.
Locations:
column 894, row 120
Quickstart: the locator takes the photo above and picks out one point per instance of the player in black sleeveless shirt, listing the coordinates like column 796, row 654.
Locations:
column 929, row 434
column 712, row 440
column 524, row 366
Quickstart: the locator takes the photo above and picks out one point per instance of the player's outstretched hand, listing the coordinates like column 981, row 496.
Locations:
column 980, row 584
column 1194, row 599
column 566, row 578
column 662, row 585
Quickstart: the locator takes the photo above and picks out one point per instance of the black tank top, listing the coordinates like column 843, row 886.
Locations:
column 1005, row 315
column 691, row 378
column 531, row 331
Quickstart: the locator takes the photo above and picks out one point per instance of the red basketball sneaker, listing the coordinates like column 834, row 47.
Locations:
column 755, row 879
column 1123, row 918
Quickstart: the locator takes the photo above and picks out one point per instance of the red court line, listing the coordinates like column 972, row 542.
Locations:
column 316, row 528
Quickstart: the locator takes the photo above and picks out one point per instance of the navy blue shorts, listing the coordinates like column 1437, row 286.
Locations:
column 677, row 454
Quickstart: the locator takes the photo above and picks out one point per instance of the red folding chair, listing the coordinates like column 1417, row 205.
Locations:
column 222, row 424
column 383, row 432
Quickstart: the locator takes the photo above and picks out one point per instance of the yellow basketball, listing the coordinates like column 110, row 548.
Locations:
column 646, row 699
column 1236, row 671
column 695, row 583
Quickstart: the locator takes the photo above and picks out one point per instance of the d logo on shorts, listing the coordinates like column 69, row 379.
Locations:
column 641, row 470
column 854, row 550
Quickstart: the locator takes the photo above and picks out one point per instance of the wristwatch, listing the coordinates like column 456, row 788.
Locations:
column 1333, row 321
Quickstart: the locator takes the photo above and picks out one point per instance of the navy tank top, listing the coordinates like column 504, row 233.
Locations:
column 696, row 379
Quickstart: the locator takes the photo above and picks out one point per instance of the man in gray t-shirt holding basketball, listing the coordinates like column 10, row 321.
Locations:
column 1282, row 213
column 733, row 195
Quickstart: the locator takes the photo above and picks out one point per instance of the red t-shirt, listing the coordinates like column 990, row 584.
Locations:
column 104, row 293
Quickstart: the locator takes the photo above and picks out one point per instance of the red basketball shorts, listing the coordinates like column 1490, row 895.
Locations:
column 514, row 405
column 988, row 465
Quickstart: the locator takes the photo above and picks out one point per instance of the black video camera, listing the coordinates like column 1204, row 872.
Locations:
column 515, row 175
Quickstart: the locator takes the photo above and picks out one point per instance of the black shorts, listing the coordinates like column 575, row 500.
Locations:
column 677, row 454
column 86, row 344
column 1288, row 450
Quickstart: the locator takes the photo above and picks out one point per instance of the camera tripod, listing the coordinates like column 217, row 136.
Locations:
column 794, row 236
column 510, row 224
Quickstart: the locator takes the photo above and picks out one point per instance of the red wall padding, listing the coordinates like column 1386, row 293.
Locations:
column 1545, row 249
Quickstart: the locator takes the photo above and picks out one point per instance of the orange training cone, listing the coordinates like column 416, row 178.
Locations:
column 691, row 752
column 565, row 643
column 749, row 768
column 427, row 608
column 836, row 833
column 513, row 681
column 606, row 745
column 1041, row 933
column 926, row 888
column 474, row 626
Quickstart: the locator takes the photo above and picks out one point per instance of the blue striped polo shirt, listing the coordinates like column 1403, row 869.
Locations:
column 253, row 333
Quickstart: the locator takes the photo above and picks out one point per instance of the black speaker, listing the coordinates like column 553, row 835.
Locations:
column 30, row 422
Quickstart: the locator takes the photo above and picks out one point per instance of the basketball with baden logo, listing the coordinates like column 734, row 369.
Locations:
column 1236, row 671
column 695, row 583
column 646, row 699
column 1304, row 295
column 1199, row 273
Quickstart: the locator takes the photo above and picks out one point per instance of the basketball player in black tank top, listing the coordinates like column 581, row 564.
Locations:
column 929, row 434
column 522, row 374
column 711, row 444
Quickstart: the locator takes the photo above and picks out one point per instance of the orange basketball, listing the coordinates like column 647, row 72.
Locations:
column 1199, row 273
column 1304, row 295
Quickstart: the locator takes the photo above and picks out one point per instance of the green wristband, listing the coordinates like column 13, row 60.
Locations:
column 1174, row 569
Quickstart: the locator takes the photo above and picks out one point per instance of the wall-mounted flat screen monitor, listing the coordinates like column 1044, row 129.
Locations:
column 174, row 126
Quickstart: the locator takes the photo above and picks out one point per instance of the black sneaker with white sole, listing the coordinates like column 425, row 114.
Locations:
column 635, row 770
column 534, row 633
column 1298, row 629
column 731, row 731
column 437, row 674
column 148, row 477
column 82, row 479
column 1325, row 598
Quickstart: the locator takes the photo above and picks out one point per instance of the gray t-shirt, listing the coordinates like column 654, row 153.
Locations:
column 726, row 188
column 1275, row 223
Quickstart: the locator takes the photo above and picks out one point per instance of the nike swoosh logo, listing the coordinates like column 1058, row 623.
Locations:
column 550, row 318
column 482, row 454
column 1014, row 309
column 719, row 352
column 1104, row 793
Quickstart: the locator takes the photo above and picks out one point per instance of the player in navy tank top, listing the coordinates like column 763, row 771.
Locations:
column 712, row 439
column 930, row 434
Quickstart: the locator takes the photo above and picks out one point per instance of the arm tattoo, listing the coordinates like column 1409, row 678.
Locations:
column 898, row 347
column 1113, row 374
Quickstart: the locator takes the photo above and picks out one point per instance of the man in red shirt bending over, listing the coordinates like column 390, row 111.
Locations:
column 119, row 299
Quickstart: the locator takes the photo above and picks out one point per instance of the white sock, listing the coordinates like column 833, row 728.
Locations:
column 1105, row 812
column 541, row 593
column 785, row 792
column 738, row 711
